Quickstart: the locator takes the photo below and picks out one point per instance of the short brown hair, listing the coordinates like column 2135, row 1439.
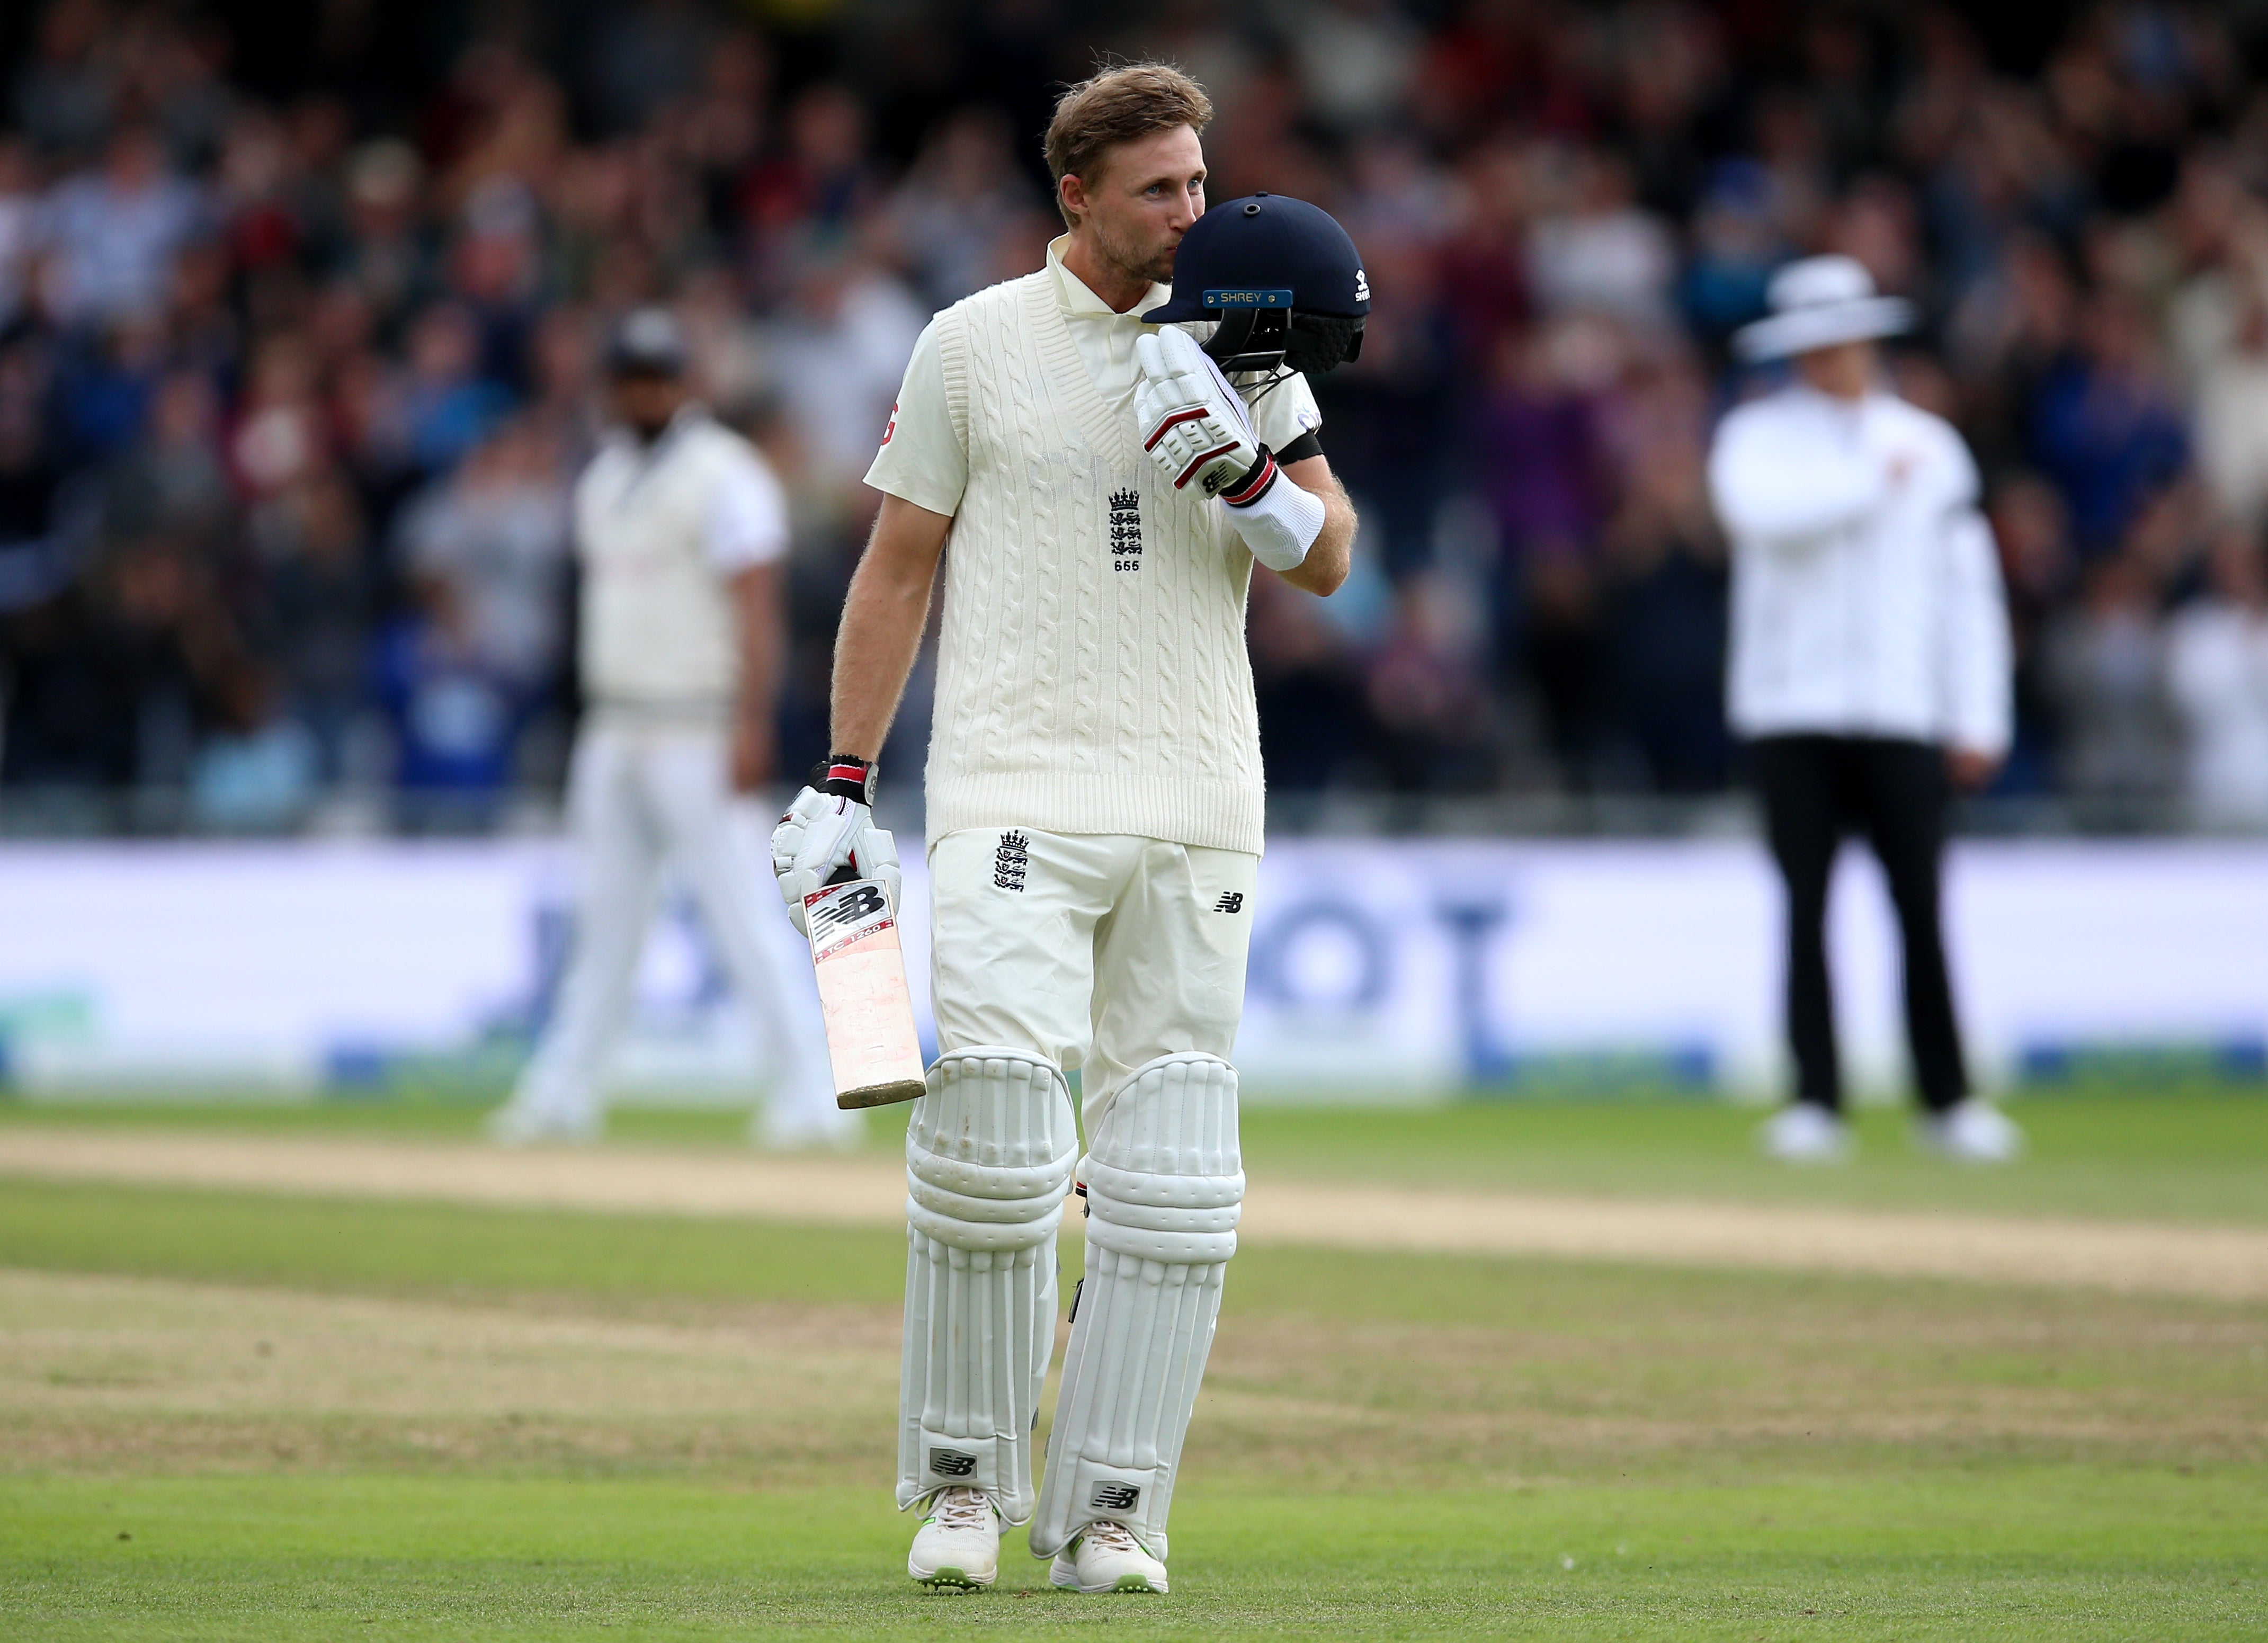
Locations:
column 1117, row 106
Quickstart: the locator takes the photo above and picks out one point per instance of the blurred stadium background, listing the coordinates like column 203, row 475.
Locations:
column 296, row 322
column 299, row 314
column 299, row 318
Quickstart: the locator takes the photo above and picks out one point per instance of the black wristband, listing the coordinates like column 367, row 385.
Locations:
column 1258, row 481
column 842, row 776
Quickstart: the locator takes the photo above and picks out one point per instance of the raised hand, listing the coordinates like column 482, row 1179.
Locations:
column 1191, row 420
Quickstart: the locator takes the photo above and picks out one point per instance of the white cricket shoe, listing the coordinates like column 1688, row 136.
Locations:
column 524, row 1123
column 777, row 1129
column 1804, row 1132
column 1105, row 1556
column 957, row 1549
column 1973, row 1132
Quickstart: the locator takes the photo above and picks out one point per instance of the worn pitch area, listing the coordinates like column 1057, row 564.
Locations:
column 2172, row 1256
column 236, row 1414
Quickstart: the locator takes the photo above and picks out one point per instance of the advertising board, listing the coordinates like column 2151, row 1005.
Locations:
column 1380, row 970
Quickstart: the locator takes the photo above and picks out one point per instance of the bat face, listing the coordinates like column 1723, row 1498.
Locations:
column 871, row 1042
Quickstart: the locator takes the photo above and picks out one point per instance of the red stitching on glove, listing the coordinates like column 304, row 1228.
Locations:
column 1195, row 414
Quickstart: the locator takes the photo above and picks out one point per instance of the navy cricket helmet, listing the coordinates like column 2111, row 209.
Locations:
column 1281, row 277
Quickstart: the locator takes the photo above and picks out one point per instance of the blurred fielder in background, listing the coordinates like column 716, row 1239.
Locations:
column 680, row 530
column 1095, row 806
column 1870, row 669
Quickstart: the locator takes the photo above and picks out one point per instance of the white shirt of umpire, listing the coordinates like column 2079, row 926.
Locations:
column 921, row 460
column 651, row 791
column 1866, row 594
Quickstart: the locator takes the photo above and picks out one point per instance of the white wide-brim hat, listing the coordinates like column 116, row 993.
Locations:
column 1821, row 302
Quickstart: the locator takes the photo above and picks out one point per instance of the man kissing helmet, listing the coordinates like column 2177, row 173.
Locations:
column 1268, row 281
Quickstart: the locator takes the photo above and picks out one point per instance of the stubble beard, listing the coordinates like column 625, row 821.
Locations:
column 1155, row 269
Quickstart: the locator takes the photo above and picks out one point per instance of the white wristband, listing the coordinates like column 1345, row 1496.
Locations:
column 1281, row 524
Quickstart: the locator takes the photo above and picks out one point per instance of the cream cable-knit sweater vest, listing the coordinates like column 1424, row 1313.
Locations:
column 1092, row 672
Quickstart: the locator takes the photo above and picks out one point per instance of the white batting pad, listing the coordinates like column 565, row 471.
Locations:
column 1164, row 1184
column 989, row 1156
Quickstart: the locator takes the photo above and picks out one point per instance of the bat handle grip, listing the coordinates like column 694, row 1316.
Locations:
column 842, row 874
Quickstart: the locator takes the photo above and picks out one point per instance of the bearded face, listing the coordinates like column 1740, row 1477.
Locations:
column 1140, row 202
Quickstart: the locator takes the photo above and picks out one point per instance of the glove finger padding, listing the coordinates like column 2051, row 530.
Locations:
column 787, row 846
column 874, row 855
column 1150, row 356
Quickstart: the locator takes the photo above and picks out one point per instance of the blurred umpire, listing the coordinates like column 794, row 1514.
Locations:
column 1870, row 670
column 680, row 530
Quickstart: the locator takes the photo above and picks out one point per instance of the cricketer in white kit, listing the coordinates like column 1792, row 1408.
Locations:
column 680, row 530
column 1095, row 805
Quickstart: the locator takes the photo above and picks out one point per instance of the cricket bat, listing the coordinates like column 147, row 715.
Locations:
column 871, row 1042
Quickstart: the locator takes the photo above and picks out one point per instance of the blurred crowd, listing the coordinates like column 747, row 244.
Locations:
column 295, row 372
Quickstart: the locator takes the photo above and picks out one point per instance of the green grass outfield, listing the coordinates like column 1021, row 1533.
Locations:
column 2017, row 1555
column 232, row 1414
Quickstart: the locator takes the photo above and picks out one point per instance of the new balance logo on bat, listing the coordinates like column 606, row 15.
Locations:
column 1126, row 530
column 1111, row 1496
column 1012, row 860
column 1231, row 902
column 951, row 1463
column 863, row 902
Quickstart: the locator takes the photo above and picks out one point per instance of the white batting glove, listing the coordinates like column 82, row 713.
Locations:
column 1195, row 427
column 1191, row 422
column 825, row 832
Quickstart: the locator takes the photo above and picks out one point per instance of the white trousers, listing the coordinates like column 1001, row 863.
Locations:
column 646, row 794
column 1099, row 952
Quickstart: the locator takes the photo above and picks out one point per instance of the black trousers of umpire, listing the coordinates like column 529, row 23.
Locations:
column 1815, row 789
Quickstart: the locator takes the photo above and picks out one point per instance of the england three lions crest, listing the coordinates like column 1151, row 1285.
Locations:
column 1126, row 530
